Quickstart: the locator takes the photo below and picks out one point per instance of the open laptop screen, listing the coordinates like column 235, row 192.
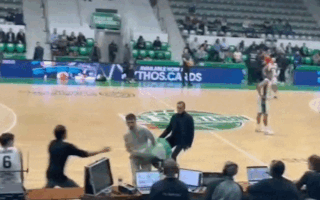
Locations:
column 147, row 179
column 190, row 177
column 256, row 174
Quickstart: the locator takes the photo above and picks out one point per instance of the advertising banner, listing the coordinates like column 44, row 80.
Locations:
column 307, row 76
column 173, row 74
column 101, row 20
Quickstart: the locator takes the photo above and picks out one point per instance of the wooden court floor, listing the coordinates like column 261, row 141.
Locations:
column 92, row 116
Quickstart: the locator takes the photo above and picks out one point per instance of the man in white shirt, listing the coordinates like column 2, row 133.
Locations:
column 54, row 38
column 11, row 162
column 237, row 55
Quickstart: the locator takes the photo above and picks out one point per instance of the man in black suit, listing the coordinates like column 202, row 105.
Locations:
column 10, row 36
column 182, row 130
column 2, row 36
column 38, row 52
column 21, row 37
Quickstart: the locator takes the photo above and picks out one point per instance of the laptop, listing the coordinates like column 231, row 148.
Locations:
column 257, row 173
column 145, row 180
column 192, row 178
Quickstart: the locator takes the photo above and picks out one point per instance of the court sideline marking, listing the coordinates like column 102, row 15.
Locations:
column 315, row 105
column 15, row 117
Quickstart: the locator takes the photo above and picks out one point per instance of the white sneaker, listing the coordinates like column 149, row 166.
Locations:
column 259, row 129
column 268, row 131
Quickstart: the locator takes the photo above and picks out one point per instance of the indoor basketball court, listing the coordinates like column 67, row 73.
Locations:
column 94, row 119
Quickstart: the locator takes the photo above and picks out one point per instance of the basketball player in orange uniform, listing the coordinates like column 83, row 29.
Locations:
column 263, row 106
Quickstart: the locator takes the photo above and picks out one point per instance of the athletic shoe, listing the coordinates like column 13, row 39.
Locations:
column 268, row 132
column 259, row 129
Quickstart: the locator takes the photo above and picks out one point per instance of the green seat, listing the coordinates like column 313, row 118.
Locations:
column 74, row 49
column 160, row 55
column 133, row 44
column 90, row 42
column 143, row 53
column 307, row 60
column 151, row 54
column 135, row 53
column 232, row 48
column 167, row 55
column 206, row 58
column 83, row 51
column 244, row 57
column 164, row 46
column 209, row 47
column 291, row 59
column 310, row 52
column 20, row 48
column 10, row 47
column 148, row 45
column 2, row 47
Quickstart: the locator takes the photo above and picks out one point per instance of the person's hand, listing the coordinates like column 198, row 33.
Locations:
column 106, row 149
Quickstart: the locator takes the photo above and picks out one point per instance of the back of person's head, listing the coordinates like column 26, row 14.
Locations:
column 230, row 169
column 314, row 162
column 6, row 139
column 130, row 117
column 170, row 168
column 277, row 168
column 60, row 132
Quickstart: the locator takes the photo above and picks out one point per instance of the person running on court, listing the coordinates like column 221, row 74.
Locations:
column 59, row 152
column 11, row 161
column 181, row 128
column 263, row 106
column 138, row 140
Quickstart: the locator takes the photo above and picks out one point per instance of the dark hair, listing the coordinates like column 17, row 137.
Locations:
column 183, row 103
column 314, row 160
column 131, row 117
column 5, row 138
column 60, row 131
column 230, row 169
column 277, row 168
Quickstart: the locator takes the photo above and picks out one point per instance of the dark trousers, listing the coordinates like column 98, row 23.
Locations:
column 51, row 183
column 186, row 70
column 178, row 148
column 112, row 57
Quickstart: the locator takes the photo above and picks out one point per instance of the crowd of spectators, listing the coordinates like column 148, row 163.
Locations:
column 11, row 37
column 15, row 18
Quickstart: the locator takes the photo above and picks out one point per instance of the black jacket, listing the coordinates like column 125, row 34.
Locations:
column 38, row 53
column 312, row 180
column 169, row 189
column 182, row 128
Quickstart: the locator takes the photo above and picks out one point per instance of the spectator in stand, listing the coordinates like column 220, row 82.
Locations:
column 289, row 49
column 157, row 44
column 224, row 48
column 2, row 36
column 194, row 45
column 216, row 51
column 18, row 20
column 268, row 27
column 63, row 43
column 38, row 52
column 311, row 178
column 304, row 50
column 224, row 25
column 296, row 48
column 262, row 46
column 237, row 56
column 72, row 39
column 192, row 9
column 10, row 17
column 95, row 54
column 241, row 47
column 54, row 38
column 204, row 45
column 281, row 49
column 201, row 54
column 218, row 24
column 276, row 187
column 21, row 37
column 188, row 24
column 225, row 188
column 247, row 28
column 297, row 60
column 288, row 29
column 82, row 41
column 113, row 49
column 316, row 59
column 10, row 36
column 202, row 25
column 141, row 44
column 279, row 28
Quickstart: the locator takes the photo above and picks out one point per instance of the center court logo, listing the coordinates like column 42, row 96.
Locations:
column 203, row 120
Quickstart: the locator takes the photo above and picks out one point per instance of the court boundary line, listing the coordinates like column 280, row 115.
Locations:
column 14, row 115
column 314, row 108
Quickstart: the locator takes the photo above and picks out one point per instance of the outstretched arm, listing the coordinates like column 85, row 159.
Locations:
column 168, row 129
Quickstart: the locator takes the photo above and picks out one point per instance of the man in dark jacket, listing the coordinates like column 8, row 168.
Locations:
column 182, row 130
column 11, row 36
column 113, row 49
column 95, row 54
column 170, row 188
column 38, row 52
column 276, row 187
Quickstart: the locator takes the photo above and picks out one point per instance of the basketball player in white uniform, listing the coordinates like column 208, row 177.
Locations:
column 263, row 89
column 11, row 162
column 272, row 72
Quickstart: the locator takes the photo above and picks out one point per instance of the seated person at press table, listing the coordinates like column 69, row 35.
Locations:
column 311, row 178
column 276, row 187
column 11, row 161
column 225, row 188
column 59, row 152
column 171, row 188
column 157, row 44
